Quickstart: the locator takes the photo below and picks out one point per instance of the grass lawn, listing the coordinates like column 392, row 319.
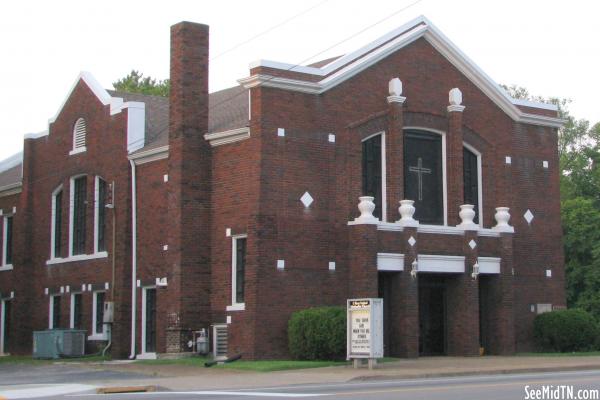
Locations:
column 573, row 354
column 31, row 360
column 256, row 366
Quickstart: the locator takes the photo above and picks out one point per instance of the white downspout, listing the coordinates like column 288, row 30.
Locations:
column 133, row 259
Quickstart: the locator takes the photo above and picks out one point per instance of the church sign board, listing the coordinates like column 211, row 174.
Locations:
column 365, row 328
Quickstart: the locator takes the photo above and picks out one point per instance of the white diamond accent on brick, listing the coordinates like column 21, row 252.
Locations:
column 306, row 199
column 332, row 265
column 508, row 160
column 411, row 241
column 472, row 244
column 545, row 164
column 528, row 216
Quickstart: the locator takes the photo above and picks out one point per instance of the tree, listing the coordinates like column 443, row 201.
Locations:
column 135, row 82
column 579, row 159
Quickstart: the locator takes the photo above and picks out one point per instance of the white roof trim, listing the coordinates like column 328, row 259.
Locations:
column 146, row 156
column 535, row 104
column 363, row 58
column 35, row 135
column 11, row 161
column 101, row 93
column 225, row 137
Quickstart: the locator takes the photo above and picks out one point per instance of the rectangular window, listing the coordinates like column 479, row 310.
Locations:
column 101, row 215
column 471, row 181
column 7, row 317
column 98, row 313
column 7, row 256
column 57, row 228
column 79, row 207
column 76, row 311
column 238, row 270
column 54, row 312
column 372, row 172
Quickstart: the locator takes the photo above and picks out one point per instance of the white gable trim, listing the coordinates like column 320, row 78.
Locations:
column 11, row 161
column 365, row 57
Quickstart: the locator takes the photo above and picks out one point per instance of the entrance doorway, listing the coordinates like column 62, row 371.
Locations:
column 432, row 315
column 385, row 293
column 149, row 323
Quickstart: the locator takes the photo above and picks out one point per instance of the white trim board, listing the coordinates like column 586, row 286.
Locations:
column 390, row 262
column 346, row 67
column 441, row 263
column 489, row 265
column 225, row 137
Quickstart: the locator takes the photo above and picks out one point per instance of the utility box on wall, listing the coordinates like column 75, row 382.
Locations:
column 365, row 328
column 109, row 312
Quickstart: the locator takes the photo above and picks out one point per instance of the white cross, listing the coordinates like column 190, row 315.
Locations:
column 420, row 171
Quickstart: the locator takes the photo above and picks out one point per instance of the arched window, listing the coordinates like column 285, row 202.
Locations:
column 424, row 175
column 472, row 180
column 372, row 172
column 79, row 133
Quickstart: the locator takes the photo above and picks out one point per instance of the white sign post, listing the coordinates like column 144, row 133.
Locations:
column 365, row 330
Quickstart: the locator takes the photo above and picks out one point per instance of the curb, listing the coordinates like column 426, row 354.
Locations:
column 366, row 378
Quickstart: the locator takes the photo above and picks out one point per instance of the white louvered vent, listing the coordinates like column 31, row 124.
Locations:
column 79, row 132
column 220, row 342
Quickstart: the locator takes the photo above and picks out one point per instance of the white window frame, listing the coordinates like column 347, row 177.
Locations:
column 72, row 310
column 3, row 324
column 72, row 210
column 53, row 221
column 5, row 266
column 479, row 180
column 95, row 334
column 383, row 174
column 144, row 354
column 96, row 211
column 51, row 311
column 444, row 174
column 235, row 306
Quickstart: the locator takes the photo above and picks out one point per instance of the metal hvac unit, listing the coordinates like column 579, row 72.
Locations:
column 56, row 343
column 220, row 342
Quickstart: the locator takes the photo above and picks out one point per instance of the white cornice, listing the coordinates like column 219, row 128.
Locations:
column 11, row 189
column 230, row 136
column 35, row 135
column 143, row 157
column 353, row 63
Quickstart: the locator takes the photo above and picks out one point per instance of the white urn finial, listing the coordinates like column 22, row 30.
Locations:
column 407, row 210
column 395, row 87
column 366, row 206
column 467, row 213
column 502, row 217
column 395, row 91
column 455, row 97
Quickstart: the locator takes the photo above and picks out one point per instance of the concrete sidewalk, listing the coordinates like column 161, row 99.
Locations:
column 181, row 377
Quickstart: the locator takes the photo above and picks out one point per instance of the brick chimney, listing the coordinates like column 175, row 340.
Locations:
column 187, row 301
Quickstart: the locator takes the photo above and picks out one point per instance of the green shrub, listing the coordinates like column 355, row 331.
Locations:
column 566, row 331
column 318, row 334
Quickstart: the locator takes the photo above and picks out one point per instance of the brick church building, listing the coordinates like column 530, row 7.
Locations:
column 399, row 171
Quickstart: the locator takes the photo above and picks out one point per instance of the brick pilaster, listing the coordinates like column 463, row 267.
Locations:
column 463, row 305
column 454, row 160
column 362, row 277
column 394, row 154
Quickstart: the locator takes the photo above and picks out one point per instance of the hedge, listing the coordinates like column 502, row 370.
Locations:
column 318, row 334
column 566, row 331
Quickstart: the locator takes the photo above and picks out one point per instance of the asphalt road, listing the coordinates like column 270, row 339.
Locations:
column 488, row 387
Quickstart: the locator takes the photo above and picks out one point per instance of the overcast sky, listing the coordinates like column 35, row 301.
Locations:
column 550, row 47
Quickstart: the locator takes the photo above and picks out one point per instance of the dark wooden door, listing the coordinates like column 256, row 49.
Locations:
column 432, row 316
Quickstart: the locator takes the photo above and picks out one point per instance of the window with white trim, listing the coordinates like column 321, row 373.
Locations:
column 79, row 136
column 54, row 312
column 238, row 271
column 471, row 180
column 100, row 215
column 56, row 228
column 98, row 313
column 76, row 320
column 78, row 200
column 7, row 240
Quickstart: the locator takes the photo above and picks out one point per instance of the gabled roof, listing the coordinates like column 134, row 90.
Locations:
column 343, row 68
